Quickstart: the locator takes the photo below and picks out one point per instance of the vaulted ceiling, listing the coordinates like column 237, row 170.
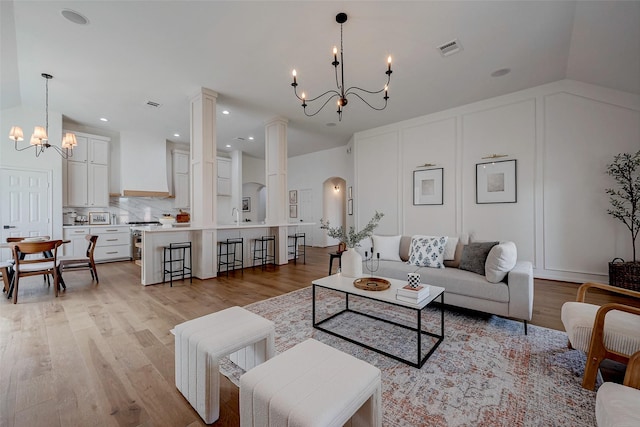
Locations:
column 131, row 52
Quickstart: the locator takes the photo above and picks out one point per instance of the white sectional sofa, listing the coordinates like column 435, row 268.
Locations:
column 510, row 297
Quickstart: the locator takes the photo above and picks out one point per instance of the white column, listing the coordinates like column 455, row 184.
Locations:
column 203, row 181
column 276, row 180
column 236, row 180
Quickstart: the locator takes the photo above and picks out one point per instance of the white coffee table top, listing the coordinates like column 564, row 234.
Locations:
column 345, row 284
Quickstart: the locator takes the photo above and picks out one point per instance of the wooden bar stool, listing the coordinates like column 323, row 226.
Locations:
column 228, row 254
column 296, row 249
column 261, row 251
column 174, row 262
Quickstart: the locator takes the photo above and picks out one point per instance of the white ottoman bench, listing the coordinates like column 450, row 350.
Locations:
column 311, row 384
column 200, row 343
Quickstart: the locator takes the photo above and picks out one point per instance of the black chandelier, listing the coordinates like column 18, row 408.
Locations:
column 341, row 93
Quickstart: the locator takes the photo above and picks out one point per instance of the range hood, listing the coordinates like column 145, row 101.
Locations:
column 143, row 165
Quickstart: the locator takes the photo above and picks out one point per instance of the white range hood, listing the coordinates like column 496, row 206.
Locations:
column 143, row 165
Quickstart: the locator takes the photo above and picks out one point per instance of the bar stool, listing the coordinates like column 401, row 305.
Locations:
column 261, row 250
column 174, row 263
column 229, row 257
column 298, row 250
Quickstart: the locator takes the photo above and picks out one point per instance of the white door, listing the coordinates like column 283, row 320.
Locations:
column 306, row 214
column 25, row 204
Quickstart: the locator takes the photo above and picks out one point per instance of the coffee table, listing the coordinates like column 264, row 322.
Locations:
column 344, row 285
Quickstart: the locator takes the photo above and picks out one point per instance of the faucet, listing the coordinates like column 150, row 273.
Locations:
column 237, row 215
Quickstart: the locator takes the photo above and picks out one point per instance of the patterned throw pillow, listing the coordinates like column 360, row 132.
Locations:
column 427, row 251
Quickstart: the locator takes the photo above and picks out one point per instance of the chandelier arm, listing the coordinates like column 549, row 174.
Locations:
column 335, row 93
column 323, row 105
column 64, row 152
column 363, row 100
column 352, row 88
column 20, row 149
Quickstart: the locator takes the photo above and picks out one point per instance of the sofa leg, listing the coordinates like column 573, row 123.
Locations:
column 525, row 327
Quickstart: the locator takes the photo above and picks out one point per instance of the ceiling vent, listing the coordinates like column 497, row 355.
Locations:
column 450, row 48
column 152, row 104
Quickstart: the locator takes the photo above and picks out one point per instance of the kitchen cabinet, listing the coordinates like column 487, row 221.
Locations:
column 114, row 242
column 224, row 176
column 87, row 172
column 181, row 180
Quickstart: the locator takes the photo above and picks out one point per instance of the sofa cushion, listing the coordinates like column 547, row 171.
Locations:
column 364, row 245
column 501, row 259
column 474, row 256
column 427, row 251
column 455, row 262
column 387, row 246
column 405, row 245
column 462, row 282
column 393, row 269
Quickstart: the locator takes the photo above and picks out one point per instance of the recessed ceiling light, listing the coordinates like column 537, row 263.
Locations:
column 250, row 138
column 501, row 72
column 176, row 135
column 228, row 146
column 225, row 112
column 104, row 119
column 331, row 124
column 75, row 17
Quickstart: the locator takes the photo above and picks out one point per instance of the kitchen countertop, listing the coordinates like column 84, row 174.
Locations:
column 160, row 229
column 94, row 225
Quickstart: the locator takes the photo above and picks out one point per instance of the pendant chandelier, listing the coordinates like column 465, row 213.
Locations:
column 341, row 93
column 40, row 137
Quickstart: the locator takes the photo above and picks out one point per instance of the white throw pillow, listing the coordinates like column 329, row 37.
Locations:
column 450, row 248
column 501, row 259
column 387, row 246
column 364, row 245
column 427, row 251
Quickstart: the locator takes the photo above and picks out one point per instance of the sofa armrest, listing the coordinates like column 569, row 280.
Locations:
column 520, row 280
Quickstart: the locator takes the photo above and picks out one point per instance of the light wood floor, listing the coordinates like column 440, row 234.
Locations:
column 103, row 354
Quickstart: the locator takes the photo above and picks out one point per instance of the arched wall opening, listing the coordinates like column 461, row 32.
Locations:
column 334, row 206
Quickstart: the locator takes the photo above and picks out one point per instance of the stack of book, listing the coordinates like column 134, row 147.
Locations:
column 414, row 295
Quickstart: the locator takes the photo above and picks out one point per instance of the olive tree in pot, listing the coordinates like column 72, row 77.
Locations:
column 625, row 206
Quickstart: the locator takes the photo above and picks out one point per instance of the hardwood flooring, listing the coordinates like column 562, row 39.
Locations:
column 103, row 354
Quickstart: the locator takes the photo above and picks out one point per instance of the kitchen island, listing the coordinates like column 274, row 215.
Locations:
column 204, row 245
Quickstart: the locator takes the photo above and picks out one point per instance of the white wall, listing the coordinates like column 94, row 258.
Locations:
column 310, row 171
column 561, row 134
column 49, row 161
column 143, row 162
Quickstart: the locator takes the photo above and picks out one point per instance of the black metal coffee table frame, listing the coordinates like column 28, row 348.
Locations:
column 418, row 329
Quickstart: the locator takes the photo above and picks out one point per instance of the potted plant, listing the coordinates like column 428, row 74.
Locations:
column 625, row 206
column 351, row 260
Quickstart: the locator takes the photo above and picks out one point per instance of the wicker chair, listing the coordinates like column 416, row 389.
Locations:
column 611, row 331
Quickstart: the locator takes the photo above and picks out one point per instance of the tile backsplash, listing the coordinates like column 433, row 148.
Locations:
column 125, row 209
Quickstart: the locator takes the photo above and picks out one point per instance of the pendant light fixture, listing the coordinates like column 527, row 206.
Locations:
column 40, row 137
column 341, row 93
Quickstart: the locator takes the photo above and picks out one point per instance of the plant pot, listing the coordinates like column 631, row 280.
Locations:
column 624, row 274
column 351, row 262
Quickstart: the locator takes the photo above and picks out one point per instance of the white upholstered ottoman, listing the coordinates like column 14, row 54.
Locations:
column 311, row 384
column 200, row 343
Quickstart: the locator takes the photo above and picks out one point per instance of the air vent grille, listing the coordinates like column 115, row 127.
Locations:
column 450, row 48
column 152, row 104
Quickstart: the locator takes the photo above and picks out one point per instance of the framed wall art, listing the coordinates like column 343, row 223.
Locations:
column 427, row 186
column 99, row 218
column 293, row 197
column 349, row 192
column 496, row 182
column 293, row 211
column 246, row 204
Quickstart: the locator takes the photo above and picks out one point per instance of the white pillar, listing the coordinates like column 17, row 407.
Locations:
column 276, row 179
column 203, row 181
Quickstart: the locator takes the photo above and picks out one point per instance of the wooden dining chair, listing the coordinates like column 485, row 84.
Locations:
column 81, row 263
column 25, row 266
column 20, row 239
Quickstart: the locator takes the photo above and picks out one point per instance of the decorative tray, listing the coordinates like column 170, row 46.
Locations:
column 371, row 284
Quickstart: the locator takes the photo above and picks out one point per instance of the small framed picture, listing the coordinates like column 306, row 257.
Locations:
column 99, row 218
column 246, row 204
column 349, row 192
column 427, row 187
column 496, row 182
column 350, row 206
column 293, row 211
column 293, row 197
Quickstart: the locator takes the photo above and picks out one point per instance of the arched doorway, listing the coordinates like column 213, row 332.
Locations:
column 334, row 206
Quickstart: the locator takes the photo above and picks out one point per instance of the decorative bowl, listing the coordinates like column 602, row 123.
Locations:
column 167, row 221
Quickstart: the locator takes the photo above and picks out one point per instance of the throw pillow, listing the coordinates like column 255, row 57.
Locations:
column 387, row 246
column 365, row 245
column 405, row 247
column 501, row 259
column 455, row 262
column 474, row 256
column 450, row 248
column 427, row 251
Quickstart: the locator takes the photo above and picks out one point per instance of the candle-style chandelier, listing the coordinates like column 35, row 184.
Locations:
column 40, row 137
column 341, row 93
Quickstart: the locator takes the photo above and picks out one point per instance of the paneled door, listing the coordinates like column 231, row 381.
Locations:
column 305, row 214
column 25, row 204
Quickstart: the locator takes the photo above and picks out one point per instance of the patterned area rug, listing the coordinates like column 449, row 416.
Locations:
column 486, row 372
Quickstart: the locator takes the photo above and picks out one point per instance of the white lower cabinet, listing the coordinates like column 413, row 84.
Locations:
column 114, row 242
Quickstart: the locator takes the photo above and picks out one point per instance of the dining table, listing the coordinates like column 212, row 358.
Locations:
column 7, row 271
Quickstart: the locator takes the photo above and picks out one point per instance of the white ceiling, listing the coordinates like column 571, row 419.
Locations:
column 135, row 51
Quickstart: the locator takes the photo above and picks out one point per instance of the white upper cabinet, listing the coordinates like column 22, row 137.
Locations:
column 87, row 173
column 224, row 176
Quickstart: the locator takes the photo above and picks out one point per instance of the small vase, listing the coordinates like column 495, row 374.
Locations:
column 351, row 262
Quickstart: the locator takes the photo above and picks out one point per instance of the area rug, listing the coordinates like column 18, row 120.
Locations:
column 486, row 372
